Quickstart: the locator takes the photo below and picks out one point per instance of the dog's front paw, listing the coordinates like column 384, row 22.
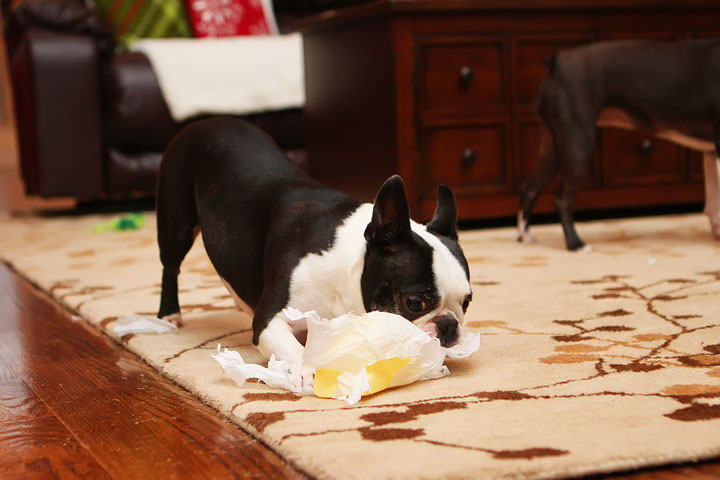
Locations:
column 175, row 319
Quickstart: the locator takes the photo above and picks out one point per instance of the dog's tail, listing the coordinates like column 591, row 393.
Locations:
column 550, row 62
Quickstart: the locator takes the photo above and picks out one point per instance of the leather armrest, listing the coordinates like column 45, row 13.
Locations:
column 55, row 83
column 62, row 16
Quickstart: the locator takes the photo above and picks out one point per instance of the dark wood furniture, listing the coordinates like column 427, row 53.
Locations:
column 443, row 91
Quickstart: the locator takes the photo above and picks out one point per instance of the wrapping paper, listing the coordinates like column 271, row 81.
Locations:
column 353, row 355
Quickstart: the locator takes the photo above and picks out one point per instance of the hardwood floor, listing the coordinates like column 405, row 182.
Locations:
column 74, row 404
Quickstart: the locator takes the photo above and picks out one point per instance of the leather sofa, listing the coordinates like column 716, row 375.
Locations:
column 92, row 122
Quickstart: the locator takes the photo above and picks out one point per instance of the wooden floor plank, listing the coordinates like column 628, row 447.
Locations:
column 134, row 422
column 34, row 443
column 6, row 371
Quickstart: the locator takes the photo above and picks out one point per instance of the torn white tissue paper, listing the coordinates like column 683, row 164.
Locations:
column 298, row 320
column 277, row 374
column 137, row 324
column 294, row 315
column 354, row 355
column 470, row 344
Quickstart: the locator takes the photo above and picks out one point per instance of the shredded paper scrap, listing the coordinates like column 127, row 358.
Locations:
column 138, row 324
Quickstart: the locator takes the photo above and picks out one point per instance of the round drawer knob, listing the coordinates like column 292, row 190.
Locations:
column 466, row 76
column 469, row 157
column 647, row 146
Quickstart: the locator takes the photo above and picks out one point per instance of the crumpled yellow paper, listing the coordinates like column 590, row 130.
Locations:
column 354, row 355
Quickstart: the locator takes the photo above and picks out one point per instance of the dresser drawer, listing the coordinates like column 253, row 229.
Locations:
column 632, row 158
column 465, row 77
column 469, row 159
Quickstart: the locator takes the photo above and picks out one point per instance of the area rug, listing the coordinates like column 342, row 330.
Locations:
column 589, row 362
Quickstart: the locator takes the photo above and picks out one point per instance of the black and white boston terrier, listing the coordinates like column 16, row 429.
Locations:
column 669, row 89
column 278, row 239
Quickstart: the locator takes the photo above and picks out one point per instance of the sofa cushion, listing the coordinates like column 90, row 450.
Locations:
column 131, row 172
column 135, row 115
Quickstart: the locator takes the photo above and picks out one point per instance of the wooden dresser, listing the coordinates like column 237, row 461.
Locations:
column 444, row 91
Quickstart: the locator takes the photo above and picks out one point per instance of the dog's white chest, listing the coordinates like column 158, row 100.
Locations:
column 329, row 282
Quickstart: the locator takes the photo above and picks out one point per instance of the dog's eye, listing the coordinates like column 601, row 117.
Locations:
column 466, row 304
column 414, row 303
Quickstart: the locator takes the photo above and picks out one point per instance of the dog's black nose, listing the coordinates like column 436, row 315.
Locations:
column 447, row 330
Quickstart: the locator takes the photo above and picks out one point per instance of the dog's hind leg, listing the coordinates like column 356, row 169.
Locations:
column 177, row 227
column 571, row 122
column 712, row 196
column 575, row 151
column 544, row 171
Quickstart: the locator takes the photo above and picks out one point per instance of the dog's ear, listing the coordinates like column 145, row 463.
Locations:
column 391, row 216
column 444, row 221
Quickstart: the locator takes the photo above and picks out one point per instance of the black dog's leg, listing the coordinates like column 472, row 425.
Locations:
column 177, row 223
column 544, row 171
column 576, row 152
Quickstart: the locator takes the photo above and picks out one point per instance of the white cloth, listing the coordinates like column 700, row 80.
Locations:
column 232, row 75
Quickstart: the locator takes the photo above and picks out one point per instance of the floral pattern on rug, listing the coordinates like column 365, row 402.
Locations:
column 588, row 362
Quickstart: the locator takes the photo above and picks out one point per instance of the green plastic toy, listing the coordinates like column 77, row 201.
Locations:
column 129, row 221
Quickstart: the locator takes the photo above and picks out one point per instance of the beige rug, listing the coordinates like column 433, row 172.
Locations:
column 588, row 362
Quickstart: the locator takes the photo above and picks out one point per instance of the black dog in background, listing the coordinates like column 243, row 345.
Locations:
column 669, row 89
